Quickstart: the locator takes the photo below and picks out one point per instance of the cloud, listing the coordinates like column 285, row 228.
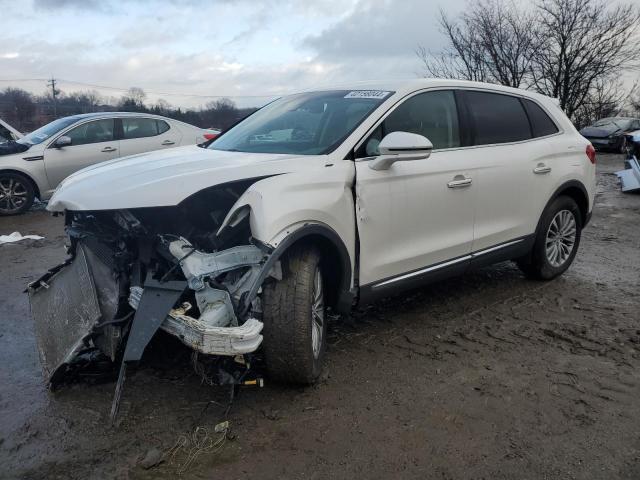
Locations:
column 227, row 47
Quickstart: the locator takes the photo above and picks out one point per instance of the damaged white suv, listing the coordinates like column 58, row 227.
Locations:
column 320, row 200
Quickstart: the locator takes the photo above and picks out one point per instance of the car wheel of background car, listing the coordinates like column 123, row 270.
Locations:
column 557, row 241
column 623, row 145
column 16, row 194
column 295, row 327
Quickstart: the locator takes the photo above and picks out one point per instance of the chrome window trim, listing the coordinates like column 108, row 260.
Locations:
column 560, row 131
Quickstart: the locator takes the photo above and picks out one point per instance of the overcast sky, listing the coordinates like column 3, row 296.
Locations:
column 214, row 47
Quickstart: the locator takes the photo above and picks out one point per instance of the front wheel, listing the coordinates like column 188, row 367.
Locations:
column 16, row 194
column 557, row 241
column 295, row 328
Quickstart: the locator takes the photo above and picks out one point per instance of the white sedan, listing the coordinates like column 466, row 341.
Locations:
column 33, row 166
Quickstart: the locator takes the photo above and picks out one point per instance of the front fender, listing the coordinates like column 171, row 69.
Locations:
column 278, row 206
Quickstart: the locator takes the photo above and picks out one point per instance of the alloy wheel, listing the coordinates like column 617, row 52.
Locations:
column 561, row 237
column 317, row 314
column 13, row 195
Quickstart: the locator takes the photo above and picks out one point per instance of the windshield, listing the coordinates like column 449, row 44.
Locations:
column 50, row 129
column 304, row 124
column 617, row 123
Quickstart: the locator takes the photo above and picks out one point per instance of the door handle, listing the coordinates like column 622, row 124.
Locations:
column 168, row 142
column 459, row 182
column 108, row 149
column 541, row 168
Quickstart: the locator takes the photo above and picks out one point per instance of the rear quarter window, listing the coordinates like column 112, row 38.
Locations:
column 541, row 123
column 497, row 118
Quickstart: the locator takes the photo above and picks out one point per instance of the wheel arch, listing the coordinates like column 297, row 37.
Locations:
column 335, row 260
column 34, row 184
column 578, row 192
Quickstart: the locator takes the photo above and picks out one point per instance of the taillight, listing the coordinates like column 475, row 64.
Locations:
column 591, row 153
column 210, row 136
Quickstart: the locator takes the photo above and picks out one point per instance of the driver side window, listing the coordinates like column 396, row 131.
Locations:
column 431, row 114
column 92, row 132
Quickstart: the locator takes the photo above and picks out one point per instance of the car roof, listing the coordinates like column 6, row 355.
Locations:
column 83, row 116
column 404, row 87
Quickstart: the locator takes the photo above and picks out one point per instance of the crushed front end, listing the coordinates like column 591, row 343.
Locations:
column 132, row 272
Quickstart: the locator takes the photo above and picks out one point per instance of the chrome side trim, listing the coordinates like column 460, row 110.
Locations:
column 446, row 264
column 497, row 247
column 424, row 270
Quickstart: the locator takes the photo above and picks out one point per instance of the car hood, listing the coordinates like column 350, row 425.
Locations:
column 165, row 178
column 600, row 132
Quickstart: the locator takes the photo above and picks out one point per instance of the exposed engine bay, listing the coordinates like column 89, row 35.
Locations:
column 132, row 272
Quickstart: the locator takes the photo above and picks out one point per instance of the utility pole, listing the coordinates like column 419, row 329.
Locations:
column 52, row 83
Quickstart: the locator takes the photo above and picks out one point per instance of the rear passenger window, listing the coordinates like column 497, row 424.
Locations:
column 497, row 118
column 541, row 124
column 162, row 126
column 140, row 127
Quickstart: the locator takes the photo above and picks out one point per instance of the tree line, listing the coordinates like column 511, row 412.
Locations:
column 27, row 112
column 574, row 50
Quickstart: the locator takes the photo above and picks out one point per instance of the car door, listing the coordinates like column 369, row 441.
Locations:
column 142, row 134
column 510, row 168
column 91, row 142
column 416, row 218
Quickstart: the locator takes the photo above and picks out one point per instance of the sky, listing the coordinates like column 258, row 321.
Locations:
column 186, row 51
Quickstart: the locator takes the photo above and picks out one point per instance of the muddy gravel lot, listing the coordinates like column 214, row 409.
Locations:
column 488, row 376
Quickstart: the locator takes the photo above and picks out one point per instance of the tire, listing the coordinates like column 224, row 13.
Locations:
column 542, row 263
column 623, row 145
column 16, row 194
column 291, row 356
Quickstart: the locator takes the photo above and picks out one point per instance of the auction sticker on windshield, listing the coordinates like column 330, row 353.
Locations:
column 379, row 94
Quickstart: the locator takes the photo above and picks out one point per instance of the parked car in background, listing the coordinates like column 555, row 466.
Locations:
column 211, row 133
column 8, row 133
column 609, row 133
column 323, row 199
column 33, row 166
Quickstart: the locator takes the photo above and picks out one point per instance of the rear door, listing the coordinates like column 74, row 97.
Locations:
column 143, row 134
column 509, row 166
column 91, row 142
column 416, row 218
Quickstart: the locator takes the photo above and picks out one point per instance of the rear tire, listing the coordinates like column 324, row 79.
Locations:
column 557, row 241
column 295, row 328
column 16, row 194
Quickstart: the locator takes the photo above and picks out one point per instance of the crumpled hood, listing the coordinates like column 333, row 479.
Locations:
column 162, row 178
column 599, row 132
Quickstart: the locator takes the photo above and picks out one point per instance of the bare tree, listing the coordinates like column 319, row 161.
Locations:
column 582, row 45
column 491, row 41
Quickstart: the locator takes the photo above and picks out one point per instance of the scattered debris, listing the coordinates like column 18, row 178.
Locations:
column 16, row 237
column 189, row 447
column 630, row 176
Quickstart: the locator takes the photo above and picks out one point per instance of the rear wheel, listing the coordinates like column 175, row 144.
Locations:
column 295, row 327
column 557, row 241
column 16, row 194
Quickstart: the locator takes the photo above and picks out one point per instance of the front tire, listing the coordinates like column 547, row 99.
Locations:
column 295, row 327
column 557, row 241
column 16, row 194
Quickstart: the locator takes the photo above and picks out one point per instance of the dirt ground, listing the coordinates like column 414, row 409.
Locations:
column 488, row 376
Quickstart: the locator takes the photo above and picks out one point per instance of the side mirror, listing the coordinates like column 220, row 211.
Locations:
column 62, row 141
column 401, row 146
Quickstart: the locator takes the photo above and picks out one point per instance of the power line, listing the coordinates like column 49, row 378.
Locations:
column 120, row 89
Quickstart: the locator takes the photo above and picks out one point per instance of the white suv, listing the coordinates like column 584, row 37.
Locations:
column 33, row 166
column 320, row 200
